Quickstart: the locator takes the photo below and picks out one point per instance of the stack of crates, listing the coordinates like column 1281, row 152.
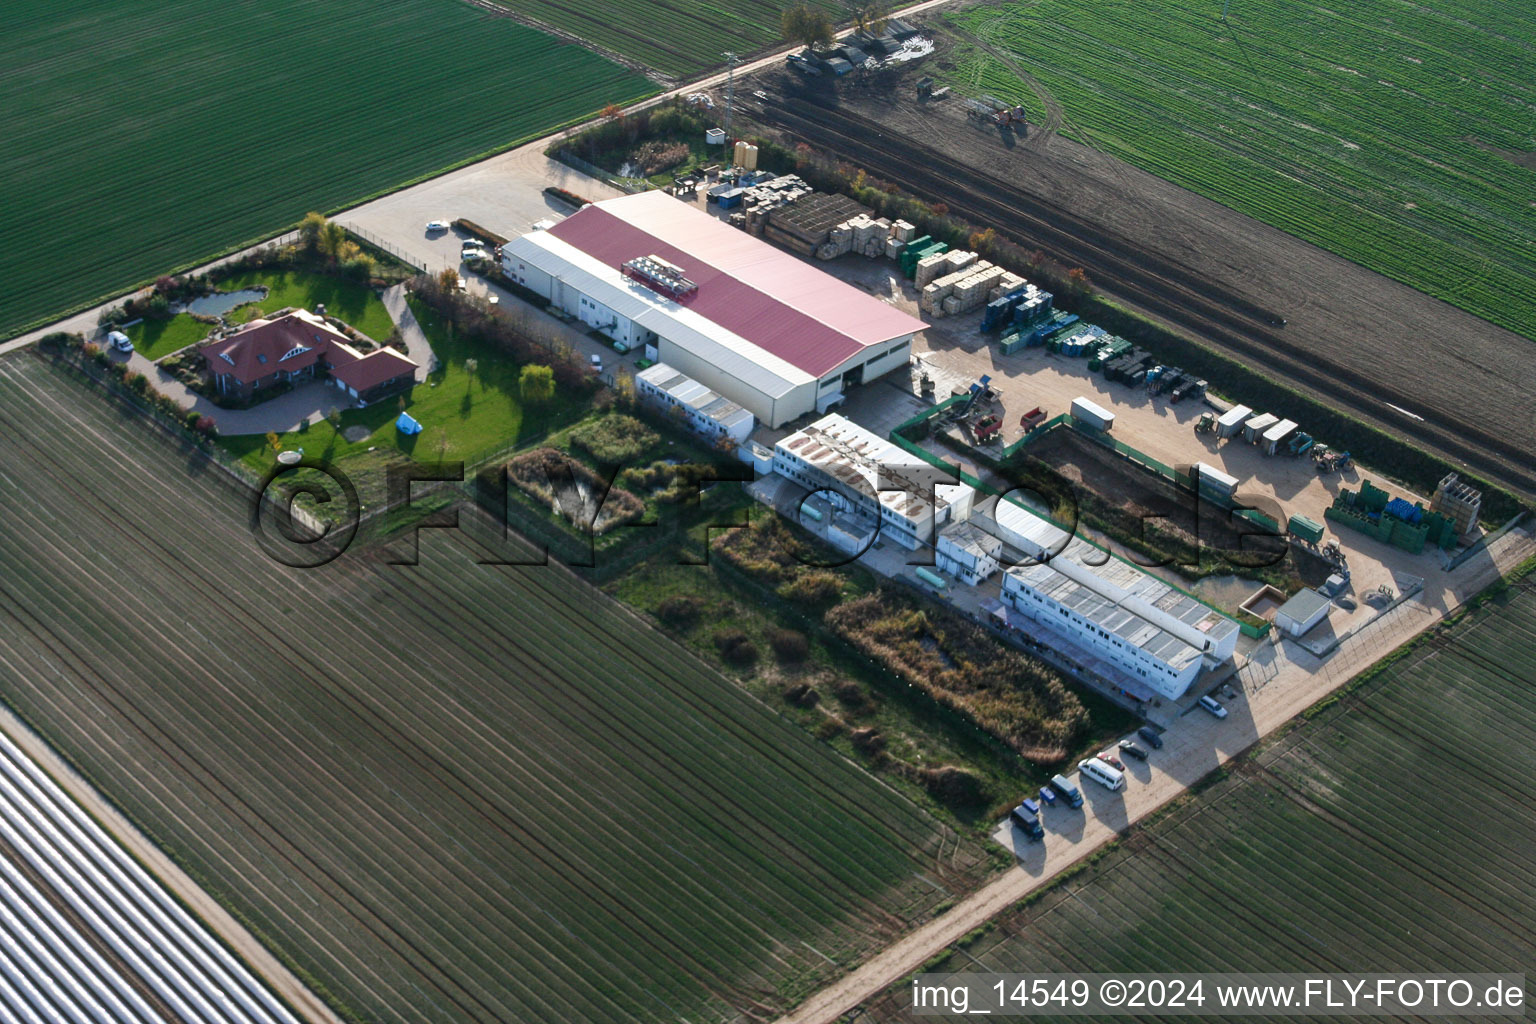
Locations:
column 1112, row 349
column 930, row 269
column 916, row 249
column 1006, row 285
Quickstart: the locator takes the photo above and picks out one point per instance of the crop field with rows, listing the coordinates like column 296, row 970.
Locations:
column 444, row 792
column 145, row 137
column 676, row 37
column 1395, row 831
column 1398, row 135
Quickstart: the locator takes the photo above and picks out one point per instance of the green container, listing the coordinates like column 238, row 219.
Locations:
column 1309, row 530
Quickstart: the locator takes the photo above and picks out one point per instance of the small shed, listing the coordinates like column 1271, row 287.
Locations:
column 407, row 424
column 1254, row 429
column 1232, row 420
column 1301, row 612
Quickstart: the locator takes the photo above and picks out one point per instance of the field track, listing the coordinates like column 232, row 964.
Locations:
column 447, row 792
column 1480, row 417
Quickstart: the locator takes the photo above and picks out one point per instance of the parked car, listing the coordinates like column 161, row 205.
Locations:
column 1214, row 706
column 597, row 363
column 1032, row 806
column 436, row 226
column 1151, row 737
column 1047, row 796
column 119, row 342
column 1109, row 758
column 1130, row 749
column 1028, row 823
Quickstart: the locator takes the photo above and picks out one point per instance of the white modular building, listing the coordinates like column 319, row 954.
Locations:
column 772, row 333
column 705, row 412
column 910, row 498
column 969, row 554
column 1150, row 630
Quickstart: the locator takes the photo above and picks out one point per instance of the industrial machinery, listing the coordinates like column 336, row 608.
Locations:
column 988, row 427
column 1206, row 424
column 978, row 389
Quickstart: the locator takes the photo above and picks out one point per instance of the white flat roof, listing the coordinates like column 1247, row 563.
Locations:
column 873, row 466
column 694, row 395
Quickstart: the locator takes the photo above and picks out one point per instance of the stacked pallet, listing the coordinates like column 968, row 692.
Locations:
column 1005, row 284
column 970, row 282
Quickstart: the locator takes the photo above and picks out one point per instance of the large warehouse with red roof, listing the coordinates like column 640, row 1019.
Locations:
column 760, row 326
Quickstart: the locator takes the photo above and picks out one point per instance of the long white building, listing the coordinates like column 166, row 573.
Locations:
column 772, row 333
column 1145, row 627
column 910, row 498
column 713, row 415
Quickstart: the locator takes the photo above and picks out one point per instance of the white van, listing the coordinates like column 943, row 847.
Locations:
column 1106, row 775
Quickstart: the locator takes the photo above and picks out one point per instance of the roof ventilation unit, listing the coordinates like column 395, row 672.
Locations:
column 659, row 275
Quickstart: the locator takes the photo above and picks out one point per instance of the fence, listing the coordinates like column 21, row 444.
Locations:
column 395, row 251
column 591, row 170
column 897, row 437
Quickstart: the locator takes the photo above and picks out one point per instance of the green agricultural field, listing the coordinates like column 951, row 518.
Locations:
column 148, row 136
column 676, row 37
column 1399, row 135
column 1394, row 831
column 452, row 792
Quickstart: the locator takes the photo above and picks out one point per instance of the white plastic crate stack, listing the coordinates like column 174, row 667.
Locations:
column 903, row 232
column 1005, row 284
column 929, row 268
column 893, row 247
column 960, row 259
column 971, row 291
column 937, row 295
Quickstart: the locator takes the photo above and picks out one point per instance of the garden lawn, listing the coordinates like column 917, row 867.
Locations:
column 352, row 301
column 465, row 416
column 156, row 339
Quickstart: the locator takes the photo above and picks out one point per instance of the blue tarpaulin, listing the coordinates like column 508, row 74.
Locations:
column 406, row 425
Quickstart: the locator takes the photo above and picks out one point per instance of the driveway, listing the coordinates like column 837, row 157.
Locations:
column 416, row 344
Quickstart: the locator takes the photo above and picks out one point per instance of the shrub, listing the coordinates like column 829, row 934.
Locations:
column 789, row 646
column 725, row 639
column 655, row 156
column 207, row 426
column 190, row 419
column 118, row 370
column 852, row 696
column 815, row 587
column 680, row 610
column 870, row 742
column 614, row 438
column 801, row 694
column 954, row 787
column 137, row 383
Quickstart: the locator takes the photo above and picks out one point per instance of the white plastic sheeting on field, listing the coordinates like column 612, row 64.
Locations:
column 50, row 973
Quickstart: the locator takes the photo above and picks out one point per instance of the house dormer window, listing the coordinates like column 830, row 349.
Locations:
column 261, row 357
column 297, row 350
column 227, row 358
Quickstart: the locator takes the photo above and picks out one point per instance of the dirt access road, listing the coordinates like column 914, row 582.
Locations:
column 1279, row 682
column 1354, row 339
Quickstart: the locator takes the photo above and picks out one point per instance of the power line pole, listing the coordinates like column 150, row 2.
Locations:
column 731, row 60
column 1224, row 6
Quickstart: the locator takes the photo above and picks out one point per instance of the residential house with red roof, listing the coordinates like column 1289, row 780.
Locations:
column 294, row 346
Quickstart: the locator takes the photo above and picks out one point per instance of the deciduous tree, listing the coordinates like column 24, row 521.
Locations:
column 536, row 384
column 809, row 26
